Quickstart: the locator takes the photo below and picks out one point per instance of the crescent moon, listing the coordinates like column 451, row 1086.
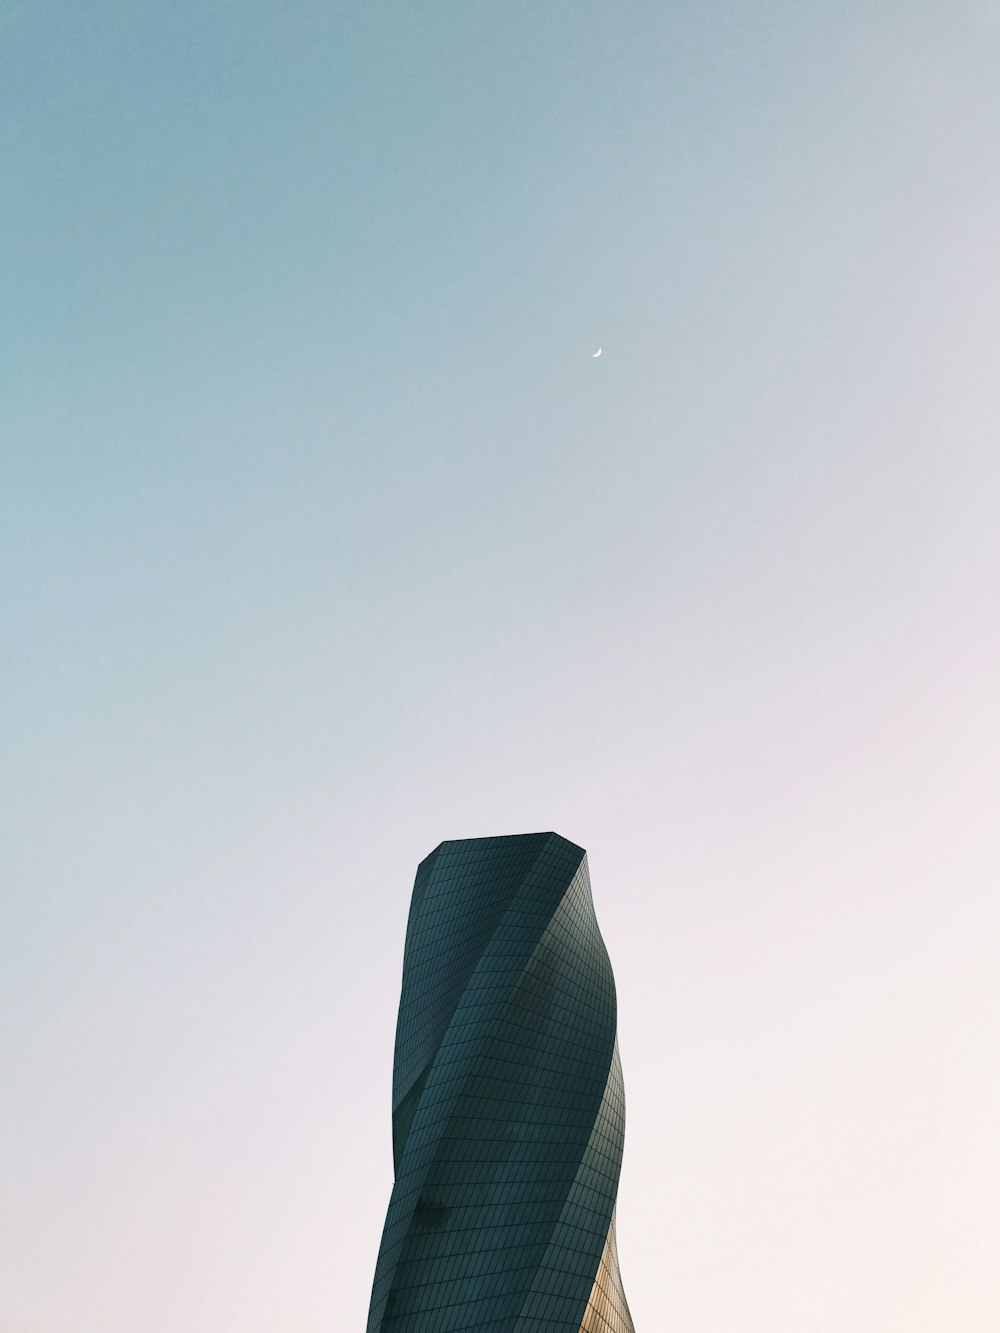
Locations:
column 598, row 352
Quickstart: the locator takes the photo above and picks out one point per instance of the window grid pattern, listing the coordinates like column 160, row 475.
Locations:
column 508, row 1106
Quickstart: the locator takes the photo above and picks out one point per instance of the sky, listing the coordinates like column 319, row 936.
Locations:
column 324, row 538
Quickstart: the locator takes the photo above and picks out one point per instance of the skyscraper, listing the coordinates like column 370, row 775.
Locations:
column 508, row 1112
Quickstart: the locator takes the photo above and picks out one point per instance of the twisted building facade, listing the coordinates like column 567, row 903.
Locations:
column 508, row 1109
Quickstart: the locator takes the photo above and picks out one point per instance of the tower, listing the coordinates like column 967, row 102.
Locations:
column 508, row 1108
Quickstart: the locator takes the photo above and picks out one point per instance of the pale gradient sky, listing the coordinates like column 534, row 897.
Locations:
column 323, row 538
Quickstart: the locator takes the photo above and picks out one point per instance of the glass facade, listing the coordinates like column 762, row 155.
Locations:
column 508, row 1108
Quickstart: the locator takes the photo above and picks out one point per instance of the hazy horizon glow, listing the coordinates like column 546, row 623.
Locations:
column 326, row 538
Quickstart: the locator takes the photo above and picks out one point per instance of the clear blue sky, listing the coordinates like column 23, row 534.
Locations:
column 323, row 537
